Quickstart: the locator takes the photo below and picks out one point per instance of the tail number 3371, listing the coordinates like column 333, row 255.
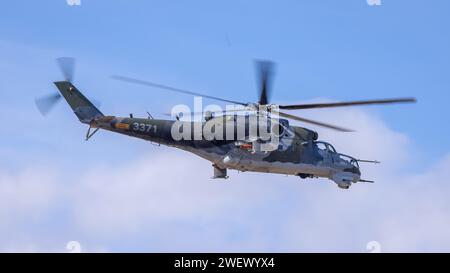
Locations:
column 142, row 127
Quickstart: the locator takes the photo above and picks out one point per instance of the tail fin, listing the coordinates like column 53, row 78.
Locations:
column 81, row 106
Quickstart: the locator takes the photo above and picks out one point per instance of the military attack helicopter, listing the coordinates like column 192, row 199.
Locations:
column 296, row 151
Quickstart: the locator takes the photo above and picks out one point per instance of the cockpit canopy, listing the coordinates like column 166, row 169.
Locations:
column 350, row 160
column 324, row 146
column 329, row 148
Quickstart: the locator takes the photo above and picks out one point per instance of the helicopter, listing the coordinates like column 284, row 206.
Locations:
column 261, row 140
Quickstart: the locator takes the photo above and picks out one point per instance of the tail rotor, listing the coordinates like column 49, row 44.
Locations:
column 67, row 66
column 46, row 103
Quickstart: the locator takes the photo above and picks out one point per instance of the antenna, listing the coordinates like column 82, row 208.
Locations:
column 368, row 161
column 366, row 181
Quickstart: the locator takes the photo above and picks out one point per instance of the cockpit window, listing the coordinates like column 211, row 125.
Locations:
column 324, row 146
column 350, row 160
column 321, row 145
column 331, row 148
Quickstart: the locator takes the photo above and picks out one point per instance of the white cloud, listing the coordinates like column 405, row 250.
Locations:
column 422, row 220
column 30, row 190
column 160, row 187
column 166, row 201
column 26, row 198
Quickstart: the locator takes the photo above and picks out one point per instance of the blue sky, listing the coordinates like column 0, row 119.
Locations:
column 333, row 50
column 338, row 50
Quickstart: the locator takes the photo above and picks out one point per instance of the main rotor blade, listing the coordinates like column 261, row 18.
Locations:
column 281, row 114
column 67, row 66
column 151, row 84
column 46, row 103
column 348, row 103
column 265, row 72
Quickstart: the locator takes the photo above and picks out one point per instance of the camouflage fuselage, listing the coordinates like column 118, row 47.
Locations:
column 296, row 151
column 296, row 154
